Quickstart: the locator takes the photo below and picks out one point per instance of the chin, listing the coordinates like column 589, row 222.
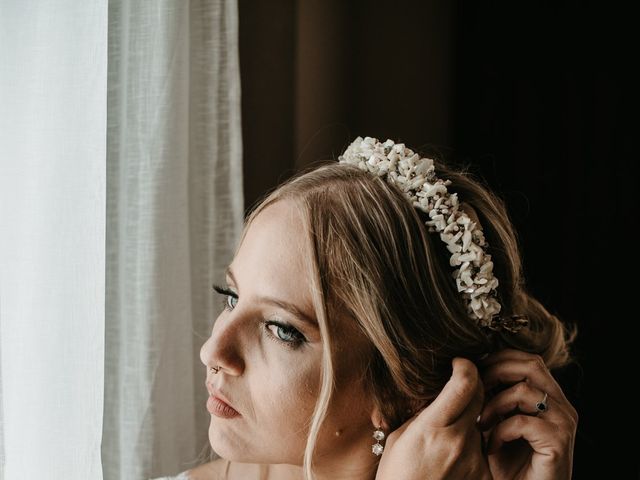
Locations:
column 235, row 455
column 227, row 447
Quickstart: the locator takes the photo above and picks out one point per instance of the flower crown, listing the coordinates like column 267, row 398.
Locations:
column 464, row 238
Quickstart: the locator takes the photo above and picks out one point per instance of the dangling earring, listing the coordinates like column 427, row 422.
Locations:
column 376, row 448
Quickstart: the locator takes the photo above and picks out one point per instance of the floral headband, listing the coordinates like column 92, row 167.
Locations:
column 464, row 238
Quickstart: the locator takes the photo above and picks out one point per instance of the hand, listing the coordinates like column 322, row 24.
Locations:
column 529, row 444
column 442, row 441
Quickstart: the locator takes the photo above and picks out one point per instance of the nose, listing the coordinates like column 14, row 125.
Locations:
column 224, row 348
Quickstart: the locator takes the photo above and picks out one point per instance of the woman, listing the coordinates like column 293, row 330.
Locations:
column 361, row 298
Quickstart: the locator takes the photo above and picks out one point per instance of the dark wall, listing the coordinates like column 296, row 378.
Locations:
column 533, row 99
column 315, row 74
column 540, row 105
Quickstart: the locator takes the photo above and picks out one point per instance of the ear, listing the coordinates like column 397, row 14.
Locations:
column 378, row 420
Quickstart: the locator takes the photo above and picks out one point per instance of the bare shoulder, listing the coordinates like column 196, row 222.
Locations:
column 215, row 470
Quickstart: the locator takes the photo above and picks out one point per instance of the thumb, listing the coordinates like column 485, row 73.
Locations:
column 463, row 392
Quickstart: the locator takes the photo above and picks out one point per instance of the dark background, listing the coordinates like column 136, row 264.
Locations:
column 532, row 97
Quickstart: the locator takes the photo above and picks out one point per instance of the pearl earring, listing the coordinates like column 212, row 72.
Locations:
column 376, row 448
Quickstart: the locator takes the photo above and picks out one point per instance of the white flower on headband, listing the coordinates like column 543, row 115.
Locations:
column 465, row 241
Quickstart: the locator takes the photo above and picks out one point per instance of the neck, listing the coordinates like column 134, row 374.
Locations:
column 344, row 472
column 351, row 465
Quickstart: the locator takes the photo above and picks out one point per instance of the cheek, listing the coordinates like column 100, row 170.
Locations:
column 282, row 398
column 350, row 410
column 289, row 394
column 292, row 390
column 352, row 403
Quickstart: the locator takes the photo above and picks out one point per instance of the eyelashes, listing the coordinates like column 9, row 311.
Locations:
column 228, row 294
column 293, row 339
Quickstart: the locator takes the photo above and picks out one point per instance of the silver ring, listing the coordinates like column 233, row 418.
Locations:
column 542, row 406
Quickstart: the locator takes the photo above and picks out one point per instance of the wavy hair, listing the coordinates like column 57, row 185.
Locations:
column 373, row 262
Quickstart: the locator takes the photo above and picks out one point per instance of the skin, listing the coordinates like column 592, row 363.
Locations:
column 441, row 441
column 522, row 443
column 275, row 386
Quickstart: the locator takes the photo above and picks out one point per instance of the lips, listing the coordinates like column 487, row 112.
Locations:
column 217, row 407
column 219, row 402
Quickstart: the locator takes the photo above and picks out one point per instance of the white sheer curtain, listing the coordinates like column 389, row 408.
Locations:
column 121, row 202
column 53, row 114
column 173, row 217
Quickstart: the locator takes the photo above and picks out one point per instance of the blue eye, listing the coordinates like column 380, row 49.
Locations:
column 229, row 301
column 284, row 333
column 230, row 296
column 280, row 331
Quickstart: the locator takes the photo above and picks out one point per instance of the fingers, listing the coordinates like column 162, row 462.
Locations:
column 548, row 432
column 525, row 367
column 521, row 397
column 505, row 355
column 463, row 393
column 544, row 437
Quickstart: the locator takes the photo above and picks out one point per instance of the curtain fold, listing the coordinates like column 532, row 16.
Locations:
column 174, row 213
column 53, row 83
column 121, row 202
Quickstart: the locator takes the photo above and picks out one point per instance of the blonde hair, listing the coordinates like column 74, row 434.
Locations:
column 373, row 262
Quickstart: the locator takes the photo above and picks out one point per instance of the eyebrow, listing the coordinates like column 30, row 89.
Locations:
column 289, row 307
